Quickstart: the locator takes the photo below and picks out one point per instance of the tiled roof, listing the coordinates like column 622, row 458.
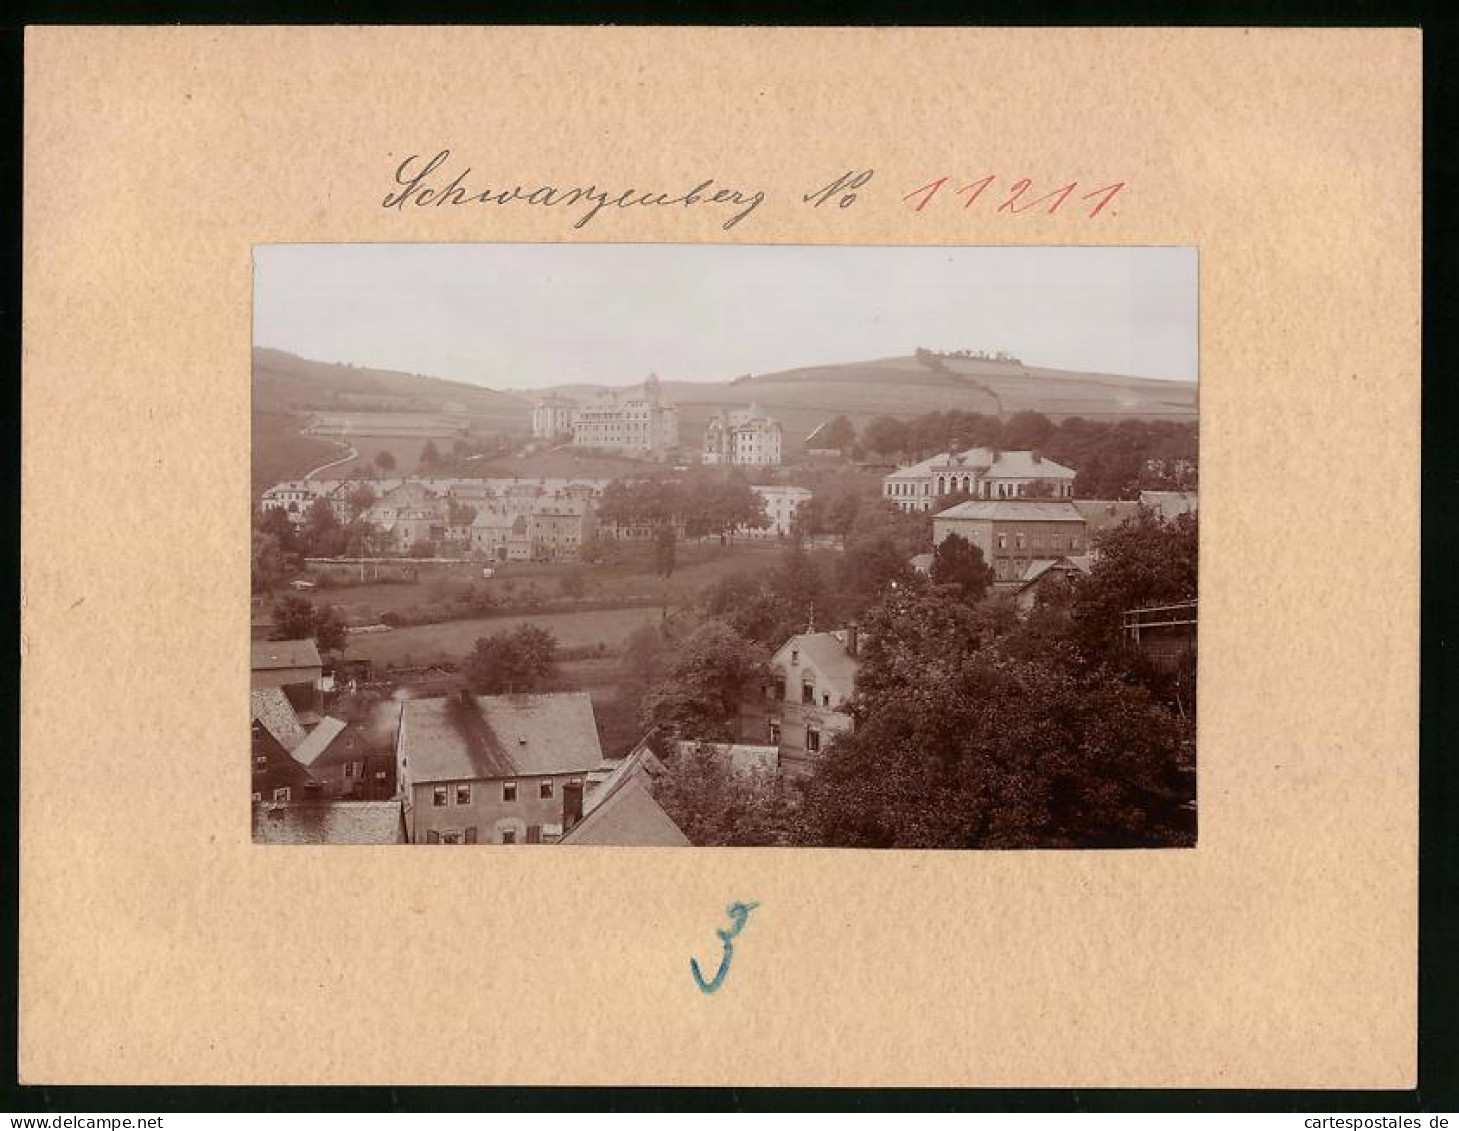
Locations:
column 352, row 743
column 464, row 737
column 271, row 707
column 622, row 811
column 1168, row 504
column 742, row 757
column 328, row 822
column 1101, row 514
column 827, row 654
column 269, row 654
column 308, row 751
column 918, row 470
column 1022, row 465
column 1037, row 568
column 1013, row 510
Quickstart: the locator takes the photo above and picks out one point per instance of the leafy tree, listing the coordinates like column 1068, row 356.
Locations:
column 512, row 663
column 838, row 434
column 700, row 694
column 384, row 460
column 665, row 552
column 329, row 629
column 422, row 548
column 296, row 618
column 1001, row 753
column 293, row 618
column 959, row 564
column 1026, row 430
column 885, row 435
column 1145, row 560
column 716, row 805
column 361, row 499
column 459, row 513
column 269, row 566
column 870, row 565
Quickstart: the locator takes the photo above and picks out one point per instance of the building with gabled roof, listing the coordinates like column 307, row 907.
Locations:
column 982, row 473
column 622, row 810
column 276, row 775
column 806, row 702
column 495, row 769
column 291, row 665
column 1012, row 533
column 270, row 707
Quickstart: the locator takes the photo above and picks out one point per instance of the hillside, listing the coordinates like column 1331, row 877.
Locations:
column 291, row 392
column 910, row 386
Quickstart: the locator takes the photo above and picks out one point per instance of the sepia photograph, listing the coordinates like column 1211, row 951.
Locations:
column 677, row 545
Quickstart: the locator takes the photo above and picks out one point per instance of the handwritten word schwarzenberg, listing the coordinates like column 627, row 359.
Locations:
column 422, row 183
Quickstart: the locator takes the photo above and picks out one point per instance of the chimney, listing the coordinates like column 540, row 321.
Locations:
column 852, row 641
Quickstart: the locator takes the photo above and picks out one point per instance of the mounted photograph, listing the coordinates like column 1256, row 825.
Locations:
column 673, row 545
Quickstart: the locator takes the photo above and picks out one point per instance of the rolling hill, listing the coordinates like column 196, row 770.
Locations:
column 289, row 390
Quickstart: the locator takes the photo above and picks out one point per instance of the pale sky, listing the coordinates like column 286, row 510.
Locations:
column 524, row 316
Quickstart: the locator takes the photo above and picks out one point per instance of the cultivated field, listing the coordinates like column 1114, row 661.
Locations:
column 428, row 643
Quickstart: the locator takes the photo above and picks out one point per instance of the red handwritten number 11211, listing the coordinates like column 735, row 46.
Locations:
column 1015, row 202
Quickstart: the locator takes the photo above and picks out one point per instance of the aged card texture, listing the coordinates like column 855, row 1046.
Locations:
column 173, row 178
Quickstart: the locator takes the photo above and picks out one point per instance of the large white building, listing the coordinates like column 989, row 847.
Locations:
column 982, row 473
column 746, row 437
column 781, row 505
column 552, row 416
column 637, row 421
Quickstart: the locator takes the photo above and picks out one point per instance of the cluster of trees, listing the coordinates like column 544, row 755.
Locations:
column 1115, row 460
column 977, row 726
column 297, row 618
column 518, row 662
column 279, row 546
column 703, row 502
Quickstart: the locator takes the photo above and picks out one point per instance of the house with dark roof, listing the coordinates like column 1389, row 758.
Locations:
column 328, row 822
column 345, row 762
column 1013, row 533
column 622, row 810
column 277, row 776
column 806, row 701
column 495, row 769
column 292, row 665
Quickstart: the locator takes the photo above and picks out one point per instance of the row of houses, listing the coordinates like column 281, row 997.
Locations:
column 498, row 520
column 455, row 769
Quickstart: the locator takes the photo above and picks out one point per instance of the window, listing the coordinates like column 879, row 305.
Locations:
column 812, row 740
column 825, row 699
column 795, row 655
column 509, row 791
column 534, row 834
column 1003, row 541
column 349, row 769
column 463, row 794
column 509, row 836
column 785, row 689
column 438, row 800
column 775, row 731
column 260, row 763
column 433, row 837
column 258, row 797
column 281, row 794
column 808, row 693
column 544, row 790
column 471, row 834
column 1018, row 539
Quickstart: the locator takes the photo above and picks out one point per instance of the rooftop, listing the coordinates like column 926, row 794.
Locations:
column 271, row 654
column 328, row 822
column 465, row 737
column 308, row 751
column 1013, row 510
column 827, row 654
column 622, row 811
column 273, row 711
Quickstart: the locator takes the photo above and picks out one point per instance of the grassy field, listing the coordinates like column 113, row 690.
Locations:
column 451, row 641
column 630, row 577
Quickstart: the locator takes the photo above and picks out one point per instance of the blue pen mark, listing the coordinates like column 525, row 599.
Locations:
column 738, row 913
